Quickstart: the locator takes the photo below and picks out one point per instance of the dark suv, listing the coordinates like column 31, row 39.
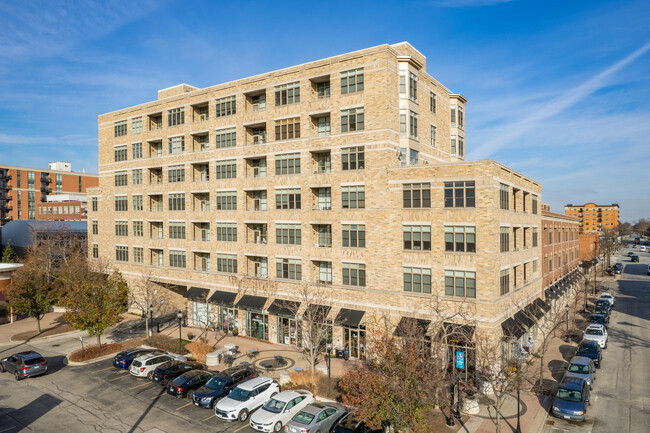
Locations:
column 24, row 364
column 221, row 384
column 590, row 349
column 172, row 369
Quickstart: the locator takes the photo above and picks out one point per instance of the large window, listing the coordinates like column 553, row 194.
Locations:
column 137, row 202
column 94, row 204
column 176, row 116
column 138, row 254
column 95, row 226
column 137, row 176
column 353, row 197
column 136, row 125
column 290, row 269
column 177, row 201
column 287, row 94
column 353, row 158
column 534, row 204
column 176, row 173
column 121, row 178
column 177, row 259
column 354, row 235
column 227, row 263
column 122, row 253
column 227, row 200
column 352, row 81
column 121, row 203
column 138, row 229
column 176, row 230
column 95, row 251
column 433, row 136
column 460, row 283
column 460, row 239
column 352, row 120
column 413, row 87
column 288, row 163
column 121, row 228
column 227, row 232
column 354, row 274
column 432, row 102
column 534, row 237
column 413, row 125
column 504, row 196
column 287, row 198
column 120, row 128
column 324, row 126
column 226, row 137
column 504, row 239
column 177, row 144
column 226, row 106
column 417, row 280
column 417, row 237
column 504, row 281
column 416, row 195
column 287, row 129
column 459, row 194
column 226, row 169
column 288, row 234
column 121, row 153
column 59, row 182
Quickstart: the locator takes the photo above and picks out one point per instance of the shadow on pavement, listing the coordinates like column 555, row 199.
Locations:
column 22, row 418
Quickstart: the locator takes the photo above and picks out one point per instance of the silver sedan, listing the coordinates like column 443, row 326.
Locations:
column 315, row 418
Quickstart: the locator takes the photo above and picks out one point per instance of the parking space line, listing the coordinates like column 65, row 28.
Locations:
column 141, row 385
column 241, row 428
column 103, row 369
column 117, row 378
column 7, row 429
column 211, row 416
column 185, row 405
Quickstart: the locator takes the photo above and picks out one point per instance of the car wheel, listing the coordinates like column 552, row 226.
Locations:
column 17, row 375
column 243, row 415
column 2, row 368
column 190, row 394
column 277, row 427
column 150, row 375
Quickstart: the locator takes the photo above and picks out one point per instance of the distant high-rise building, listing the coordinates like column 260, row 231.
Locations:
column 594, row 218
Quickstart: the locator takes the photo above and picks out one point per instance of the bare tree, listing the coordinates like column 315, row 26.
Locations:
column 148, row 297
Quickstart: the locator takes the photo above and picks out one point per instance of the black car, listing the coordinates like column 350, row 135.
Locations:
column 168, row 371
column 599, row 319
column 220, row 385
column 351, row 424
column 604, row 311
column 185, row 384
column 124, row 359
column 24, row 364
column 590, row 349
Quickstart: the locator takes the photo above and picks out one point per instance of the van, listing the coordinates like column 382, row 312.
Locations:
column 642, row 248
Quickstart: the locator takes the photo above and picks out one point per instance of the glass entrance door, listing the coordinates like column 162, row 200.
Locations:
column 355, row 341
column 228, row 318
column 287, row 331
column 257, row 325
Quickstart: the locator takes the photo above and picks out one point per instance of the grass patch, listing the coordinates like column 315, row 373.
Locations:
column 323, row 386
column 32, row 335
column 199, row 350
column 167, row 343
column 95, row 351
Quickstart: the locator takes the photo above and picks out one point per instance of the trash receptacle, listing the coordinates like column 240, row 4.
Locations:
column 346, row 354
column 339, row 352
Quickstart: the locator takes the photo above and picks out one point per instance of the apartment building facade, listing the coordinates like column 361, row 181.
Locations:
column 345, row 176
column 594, row 218
column 560, row 249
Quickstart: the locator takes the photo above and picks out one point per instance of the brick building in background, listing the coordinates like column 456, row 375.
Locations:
column 594, row 218
column 560, row 248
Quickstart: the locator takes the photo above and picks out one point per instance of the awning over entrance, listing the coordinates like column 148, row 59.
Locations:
column 551, row 294
column 526, row 320
column 225, row 299
column 317, row 312
column 533, row 310
column 512, row 328
column 252, row 302
column 411, row 325
column 349, row 318
column 542, row 305
column 458, row 332
column 196, row 294
column 280, row 307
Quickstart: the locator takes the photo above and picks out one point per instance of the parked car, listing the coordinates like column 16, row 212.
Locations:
column 608, row 297
column 590, row 349
column 124, row 359
column 597, row 333
column 642, row 249
column 630, row 253
column 315, row 417
column 582, row 367
column 634, row 258
column 571, row 399
column 604, row 304
column 221, row 384
column 245, row 398
column 351, row 424
column 24, row 364
column 618, row 268
column 598, row 319
column 144, row 366
column 168, row 371
column 278, row 410
column 185, row 384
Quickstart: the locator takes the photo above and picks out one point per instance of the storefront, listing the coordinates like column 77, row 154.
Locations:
column 257, row 319
column 354, row 334
column 288, row 327
column 200, row 306
column 460, row 351
column 227, row 314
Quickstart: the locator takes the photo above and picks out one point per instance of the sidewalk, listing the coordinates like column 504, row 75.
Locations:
column 8, row 330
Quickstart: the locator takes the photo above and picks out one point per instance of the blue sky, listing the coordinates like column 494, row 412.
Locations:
column 558, row 90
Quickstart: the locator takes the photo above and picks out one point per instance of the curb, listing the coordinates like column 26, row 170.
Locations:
column 92, row 361
column 50, row 337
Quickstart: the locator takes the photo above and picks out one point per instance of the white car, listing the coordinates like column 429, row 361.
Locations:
column 278, row 411
column 144, row 366
column 597, row 333
column 245, row 398
column 608, row 297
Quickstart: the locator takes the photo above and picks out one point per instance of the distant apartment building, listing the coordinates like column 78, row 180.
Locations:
column 25, row 191
column 589, row 246
column 594, row 218
column 560, row 249
column 345, row 175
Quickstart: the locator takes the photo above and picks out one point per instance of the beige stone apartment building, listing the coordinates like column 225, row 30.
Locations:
column 344, row 176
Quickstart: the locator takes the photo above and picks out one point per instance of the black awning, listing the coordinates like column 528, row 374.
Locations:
column 196, row 294
column 349, row 318
column 526, row 320
column 512, row 328
column 542, row 305
column 534, row 311
column 550, row 294
column 408, row 325
column 317, row 312
column 280, row 307
column 226, row 299
column 252, row 302
column 456, row 331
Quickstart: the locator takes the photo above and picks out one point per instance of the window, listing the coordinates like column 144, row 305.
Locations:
column 120, row 128
column 325, row 272
column 417, row 280
column 402, row 123
column 352, row 81
column 353, row 158
column 287, row 94
column 550, row 237
column 287, row 129
column 287, row 198
column 226, row 106
column 453, row 146
column 417, row 237
column 402, row 84
column 138, row 254
column 120, row 153
column 324, row 126
column 137, row 202
column 93, row 202
column 413, row 125
column 460, row 283
column 226, row 169
column 138, row 229
column 535, row 266
column 95, row 228
column 534, row 204
column 177, row 258
column 176, row 173
column 258, row 102
column 288, row 163
column 227, row 232
column 177, row 144
column 136, row 125
column 505, row 239
column 176, row 230
column 226, row 137
column 30, row 180
column 121, row 178
column 461, row 117
column 505, row 281
column 324, row 198
column 95, row 251
column 413, row 87
column 453, row 116
column 354, row 274
column 203, row 143
column 352, row 120
column 202, row 232
column 354, row 235
column 227, row 200
column 323, row 89
column 176, row 116
column 137, row 176
column 504, row 197
column 59, row 182
column 414, row 157
column 324, row 235
column 121, row 228
column 31, row 205
column 122, row 253
column 121, row 203
column 288, row 269
column 433, row 136
column 324, row 162
column 461, row 147
column 459, row 194
column 137, row 150
column 416, row 195
column 432, row 102
column 353, row 197
column 460, row 239
column 288, row 234
column 177, row 201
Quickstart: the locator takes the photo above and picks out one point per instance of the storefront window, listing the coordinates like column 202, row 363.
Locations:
column 257, row 325
column 287, row 330
column 228, row 318
column 200, row 313
column 355, row 341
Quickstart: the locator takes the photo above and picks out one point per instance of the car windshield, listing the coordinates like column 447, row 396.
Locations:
column 600, row 310
column 580, row 369
column 181, row 380
column 239, row 394
column 216, row 383
column 274, row 406
column 594, row 332
column 303, row 418
column 34, row 361
column 606, row 296
column 136, row 363
column 569, row 395
column 587, row 349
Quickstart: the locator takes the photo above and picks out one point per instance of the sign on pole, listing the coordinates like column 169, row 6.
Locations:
column 460, row 360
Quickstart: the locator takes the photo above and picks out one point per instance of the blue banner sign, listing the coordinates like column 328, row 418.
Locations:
column 460, row 360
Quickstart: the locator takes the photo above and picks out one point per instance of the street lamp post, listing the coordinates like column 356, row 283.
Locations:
column 179, row 316
column 150, row 318
column 567, row 322
column 518, row 430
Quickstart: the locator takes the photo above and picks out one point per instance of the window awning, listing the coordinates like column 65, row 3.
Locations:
column 226, row 299
column 525, row 319
column 408, row 325
column 550, row 294
column 252, row 302
column 280, row 307
column 196, row 294
column 542, row 305
column 349, row 318
column 533, row 310
column 456, row 331
column 512, row 329
column 317, row 312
